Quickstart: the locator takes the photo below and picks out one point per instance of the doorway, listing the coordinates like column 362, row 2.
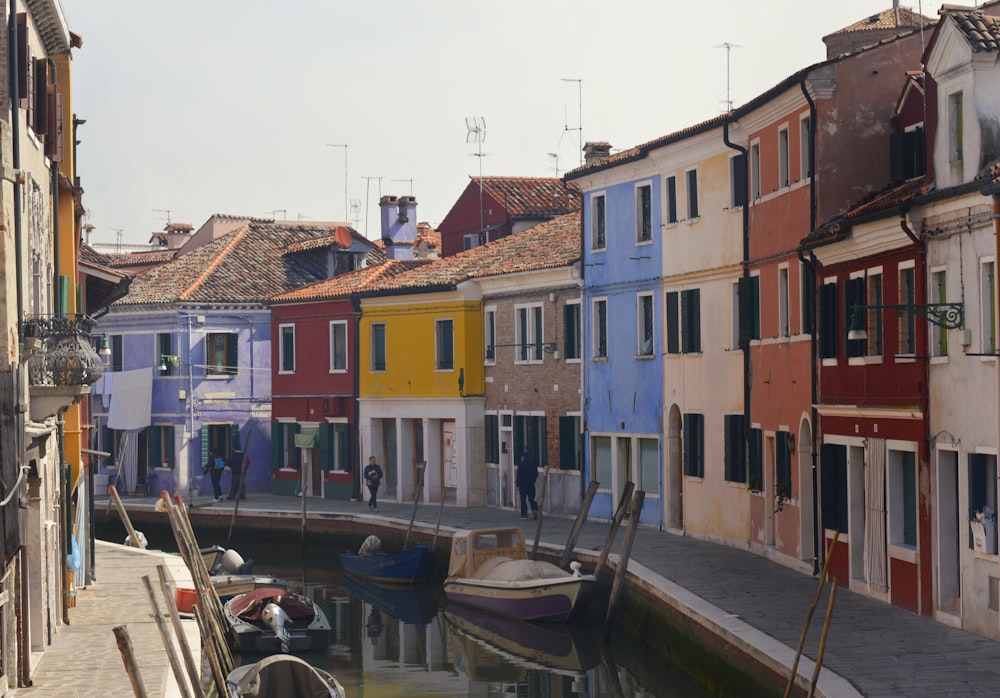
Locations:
column 674, row 478
column 949, row 586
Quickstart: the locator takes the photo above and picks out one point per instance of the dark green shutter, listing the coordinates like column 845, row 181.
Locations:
column 688, row 445
column 234, row 436
column 233, row 353
column 326, row 446
column 519, row 437
column 108, row 443
column 277, row 445
column 344, row 437
column 756, row 461
column 739, row 165
column 168, row 446
column 808, row 281
column 296, row 452
column 567, row 443
column 206, row 445
column 154, row 448
column 735, row 448
column 116, row 352
column 828, row 321
column 673, row 322
column 783, row 464
column 749, row 302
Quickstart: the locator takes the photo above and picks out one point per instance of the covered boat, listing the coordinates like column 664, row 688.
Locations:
column 408, row 566
column 490, row 571
column 275, row 620
column 282, row 676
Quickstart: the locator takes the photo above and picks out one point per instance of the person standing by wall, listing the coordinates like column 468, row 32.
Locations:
column 214, row 468
column 527, row 473
column 237, row 463
column 373, row 478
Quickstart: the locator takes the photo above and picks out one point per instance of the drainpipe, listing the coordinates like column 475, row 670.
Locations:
column 744, row 344
column 54, row 169
column 813, row 344
column 15, row 125
column 64, row 512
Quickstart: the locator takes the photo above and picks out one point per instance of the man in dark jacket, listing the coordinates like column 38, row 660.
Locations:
column 527, row 473
column 236, row 462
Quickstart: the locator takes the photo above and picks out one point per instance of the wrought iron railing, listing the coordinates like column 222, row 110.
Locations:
column 60, row 350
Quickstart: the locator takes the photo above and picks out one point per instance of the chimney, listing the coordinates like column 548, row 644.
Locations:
column 595, row 151
column 399, row 225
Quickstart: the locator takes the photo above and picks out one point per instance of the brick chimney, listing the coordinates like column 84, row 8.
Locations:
column 399, row 225
column 595, row 151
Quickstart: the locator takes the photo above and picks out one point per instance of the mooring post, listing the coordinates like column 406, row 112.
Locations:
column 581, row 516
column 613, row 528
column 128, row 659
column 622, row 567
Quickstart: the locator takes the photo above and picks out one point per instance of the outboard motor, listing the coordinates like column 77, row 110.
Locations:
column 277, row 620
column 233, row 563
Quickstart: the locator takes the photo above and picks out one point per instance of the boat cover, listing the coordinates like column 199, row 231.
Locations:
column 249, row 606
column 505, row 569
column 282, row 675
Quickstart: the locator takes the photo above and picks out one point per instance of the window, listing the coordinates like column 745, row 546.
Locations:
column 939, row 294
column 444, row 345
column 600, row 457
column 491, row 428
column 221, row 354
column 528, row 333
column 530, row 437
column 473, row 240
column 117, row 351
column 160, row 447
column 783, row 464
column 833, row 486
column 597, row 222
column 571, row 331
column 694, row 445
column 805, row 147
column 378, row 346
column 649, row 465
column 286, row 348
column 828, row 340
column 219, row 438
column 755, row 460
column 955, row 127
column 807, row 279
column 987, row 306
column 600, row 324
column 854, row 298
column 163, row 349
column 783, row 163
column 338, row 346
column 334, row 443
column 784, row 328
column 749, row 296
column 671, row 199
column 684, row 321
column 643, row 213
column 490, row 334
column 907, row 320
column 692, row 194
column 738, row 180
column 284, row 454
column 983, row 490
column 755, row 171
column 906, row 154
column 873, row 321
column 736, row 467
column 644, row 313
column 570, row 455
column 902, row 468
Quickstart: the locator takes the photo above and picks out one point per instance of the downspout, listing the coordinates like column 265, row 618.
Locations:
column 813, row 344
column 64, row 511
column 744, row 343
column 356, row 421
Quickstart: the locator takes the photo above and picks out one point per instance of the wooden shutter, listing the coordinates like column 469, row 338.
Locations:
column 41, row 94
column 234, row 436
column 756, row 460
column 828, row 321
column 23, row 56
column 206, row 446
column 154, row 447
column 740, row 191
column 167, row 447
column 747, row 291
column 277, row 445
column 673, row 323
column 326, row 446
column 54, row 130
column 735, row 448
column 232, row 353
column 807, row 280
column 783, row 463
column 691, row 321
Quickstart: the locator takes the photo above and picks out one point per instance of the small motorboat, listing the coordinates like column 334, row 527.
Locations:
column 232, row 575
column 219, row 560
column 490, row 571
column 275, row 620
column 282, row 676
column 408, row 566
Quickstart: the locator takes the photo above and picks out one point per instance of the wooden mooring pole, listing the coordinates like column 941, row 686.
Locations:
column 175, row 621
column 538, row 514
column 622, row 567
column 132, row 535
column 128, row 659
column 581, row 516
column 613, row 528
column 168, row 645
column 822, row 639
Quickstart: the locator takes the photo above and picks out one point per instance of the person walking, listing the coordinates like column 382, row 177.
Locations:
column 373, row 478
column 214, row 468
column 527, row 473
column 237, row 462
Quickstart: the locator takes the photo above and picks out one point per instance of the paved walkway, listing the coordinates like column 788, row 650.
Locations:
column 873, row 649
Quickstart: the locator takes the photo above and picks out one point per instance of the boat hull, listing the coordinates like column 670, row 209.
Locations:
column 408, row 566
column 537, row 600
column 248, row 632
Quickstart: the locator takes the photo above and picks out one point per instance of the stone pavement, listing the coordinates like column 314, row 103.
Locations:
column 83, row 660
column 873, row 649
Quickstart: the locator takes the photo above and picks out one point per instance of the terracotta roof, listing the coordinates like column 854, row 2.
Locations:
column 886, row 200
column 980, row 30
column 89, row 254
column 245, row 266
column 548, row 245
column 428, row 236
column 134, row 259
column 900, row 18
column 338, row 237
column 532, row 196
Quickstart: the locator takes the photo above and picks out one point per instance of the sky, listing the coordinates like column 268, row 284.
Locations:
column 244, row 107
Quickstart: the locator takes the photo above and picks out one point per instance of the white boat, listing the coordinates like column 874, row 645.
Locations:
column 490, row 571
column 282, row 676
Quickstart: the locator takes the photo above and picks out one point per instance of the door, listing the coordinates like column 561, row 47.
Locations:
column 450, row 451
column 507, row 467
column 949, row 587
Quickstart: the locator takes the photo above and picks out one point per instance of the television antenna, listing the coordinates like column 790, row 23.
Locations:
column 160, row 210
column 118, row 238
column 410, row 180
column 555, row 157
column 368, row 184
column 729, row 47
column 282, row 211
column 475, row 131
column 579, row 121
column 356, row 212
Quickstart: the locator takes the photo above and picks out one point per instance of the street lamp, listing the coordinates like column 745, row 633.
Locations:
column 949, row 316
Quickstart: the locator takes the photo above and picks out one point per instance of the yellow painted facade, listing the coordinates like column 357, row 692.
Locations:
column 410, row 347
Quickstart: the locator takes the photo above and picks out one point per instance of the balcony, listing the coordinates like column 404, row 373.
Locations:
column 62, row 362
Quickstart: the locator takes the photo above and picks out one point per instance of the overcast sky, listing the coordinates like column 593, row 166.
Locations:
column 196, row 107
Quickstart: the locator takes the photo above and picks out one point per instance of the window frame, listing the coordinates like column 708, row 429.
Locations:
column 644, row 213
column 645, row 325
column 784, row 302
column 599, row 329
column 286, row 348
column 529, row 333
column 490, row 335
column 874, row 322
column 164, row 348
column 805, row 147
column 691, row 189
column 670, row 198
column 755, row 187
column 230, row 348
column 987, row 305
column 379, row 343
column 572, row 331
column 906, row 294
column 598, row 222
column 784, row 161
column 956, row 116
column 444, row 347
column 334, row 368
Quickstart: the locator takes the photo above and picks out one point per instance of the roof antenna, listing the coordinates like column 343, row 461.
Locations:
column 475, row 129
column 728, row 46
column 579, row 121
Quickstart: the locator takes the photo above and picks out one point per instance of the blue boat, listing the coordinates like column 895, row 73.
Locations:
column 408, row 566
column 414, row 605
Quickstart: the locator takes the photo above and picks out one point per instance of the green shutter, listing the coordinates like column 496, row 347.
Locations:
column 206, row 445
column 828, row 321
column 296, row 452
column 232, row 353
column 756, row 461
column 783, row 464
column 154, row 449
column 567, row 443
column 168, row 447
column 326, row 446
column 234, row 436
column 63, row 294
column 108, row 443
column 79, row 299
column 673, row 322
column 745, row 293
column 343, row 436
column 277, row 444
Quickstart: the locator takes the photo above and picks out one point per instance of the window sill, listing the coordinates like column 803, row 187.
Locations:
column 599, row 359
column 338, row 370
column 217, row 376
column 644, row 357
column 163, row 469
column 643, row 243
column 574, row 360
column 898, row 551
column 938, row 360
column 989, row 557
column 829, row 362
column 905, row 358
column 598, row 249
column 692, row 220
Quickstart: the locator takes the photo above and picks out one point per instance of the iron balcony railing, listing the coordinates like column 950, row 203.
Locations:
column 60, row 350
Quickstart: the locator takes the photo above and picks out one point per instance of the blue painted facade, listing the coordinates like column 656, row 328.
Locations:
column 197, row 401
column 623, row 413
